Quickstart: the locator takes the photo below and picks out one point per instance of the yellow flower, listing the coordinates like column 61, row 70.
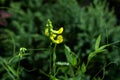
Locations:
column 58, row 31
column 54, row 35
column 58, row 40
column 53, row 31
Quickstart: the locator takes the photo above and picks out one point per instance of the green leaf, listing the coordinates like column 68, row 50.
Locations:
column 67, row 53
column 83, row 68
column 92, row 54
column 12, row 70
column 97, row 44
column 98, row 49
column 104, row 46
column 74, row 60
column 7, row 67
column 70, row 57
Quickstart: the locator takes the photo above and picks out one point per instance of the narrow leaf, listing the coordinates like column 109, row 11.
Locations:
column 97, row 44
column 71, row 58
column 68, row 54
column 92, row 54
column 12, row 70
column 103, row 47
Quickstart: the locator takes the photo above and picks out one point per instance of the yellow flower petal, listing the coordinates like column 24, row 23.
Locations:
column 53, row 36
column 58, row 31
column 58, row 40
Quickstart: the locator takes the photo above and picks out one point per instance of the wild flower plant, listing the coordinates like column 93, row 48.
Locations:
column 54, row 35
column 71, row 69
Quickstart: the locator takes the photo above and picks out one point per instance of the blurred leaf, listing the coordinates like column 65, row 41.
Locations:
column 92, row 54
column 98, row 49
column 104, row 46
column 13, row 71
column 97, row 44
column 62, row 63
column 7, row 67
column 83, row 68
column 74, row 59
column 68, row 54
column 70, row 57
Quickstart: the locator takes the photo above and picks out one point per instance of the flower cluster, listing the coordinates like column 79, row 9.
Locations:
column 54, row 35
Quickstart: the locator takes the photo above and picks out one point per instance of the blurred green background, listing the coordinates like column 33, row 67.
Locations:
column 83, row 21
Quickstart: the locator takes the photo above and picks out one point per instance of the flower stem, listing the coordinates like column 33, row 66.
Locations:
column 54, row 60
column 50, row 58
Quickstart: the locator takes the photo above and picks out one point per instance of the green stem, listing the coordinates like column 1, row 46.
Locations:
column 8, row 71
column 8, row 68
column 18, row 69
column 103, row 69
column 50, row 57
column 54, row 60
